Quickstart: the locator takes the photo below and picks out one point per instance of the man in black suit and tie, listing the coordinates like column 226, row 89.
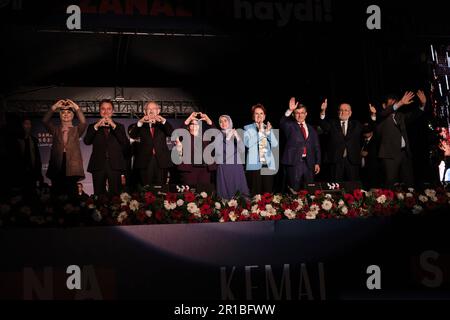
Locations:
column 344, row 145
column 109, row 143
column 394, row 150
column 152, row 157
column 301, row 155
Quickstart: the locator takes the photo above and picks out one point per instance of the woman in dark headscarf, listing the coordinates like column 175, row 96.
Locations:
column 230, row 171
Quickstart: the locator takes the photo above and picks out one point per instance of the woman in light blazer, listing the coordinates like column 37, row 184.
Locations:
column 260, row 139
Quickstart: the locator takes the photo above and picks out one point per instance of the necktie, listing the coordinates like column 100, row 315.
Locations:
column 152, row 132
column 343, row 132
column 302, row 128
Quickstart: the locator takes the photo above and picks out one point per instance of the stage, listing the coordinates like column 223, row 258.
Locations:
column 288, row 260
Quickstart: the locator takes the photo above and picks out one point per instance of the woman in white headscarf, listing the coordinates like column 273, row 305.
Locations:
column 230, row 172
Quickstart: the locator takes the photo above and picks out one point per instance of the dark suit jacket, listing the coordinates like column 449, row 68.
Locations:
column 36, row 170
column 113, row 146
column 390, row 133
column 337, row 142
column 144, row 149
column 295, row 143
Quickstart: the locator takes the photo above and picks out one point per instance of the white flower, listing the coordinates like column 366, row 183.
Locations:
column 263, row 213
column 232, row 203
column 180, row 202
column 4, row 208
column 192, row 208
column 289, row 214
column 417, row 209
column 423, row 198
column 328, row 196
column 312, row 197
column 91, row 206
column 204, row 195
column 134, row 205
column 327, row 205
column 448, row 194
column 217, row 205
column 122, row 216
column 400, row 196
column 232, row 216
column 411, row 190
column 221, row 220
column 311, row 215
column 245, row 213
column 271, row 211
column 257, row 198
column 409, row 195
column 381, row 199
column 255, row 208
column 97, row 216
column 300, row 204
column 344, row 210
column 148, row 213
column 169, row 205
column 341, row 203
column 277, row 198
column 315, row 208
column 430, row 193
column 434, row 198
column 125, row 197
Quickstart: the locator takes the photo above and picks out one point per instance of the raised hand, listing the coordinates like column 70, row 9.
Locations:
column 293, row 104
column 324, row 106
column 73, row 105
column 159, row 118
column 372, row 109
column 59, row 104
column 406, row 99
column 422, row 97
column 269, row 127
column 445, row 146
column 316, row 169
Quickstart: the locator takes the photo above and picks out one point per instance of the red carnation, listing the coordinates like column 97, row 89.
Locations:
column 357, row 194
column 349, row 198
column 159, row 215
column 205, row 209
column 389, row 194
column 149, row 198
column 302, row 193
column 177, row 215
column 266, row 198
column 141, row 216
column 317, row 193
column 171, row 197
column 189, row 196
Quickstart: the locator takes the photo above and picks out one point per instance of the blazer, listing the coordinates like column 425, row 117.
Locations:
column 104, row 148
column 74, row 160
column 337, row 142
column 251, row 141
column 390, row 132
column 296, row 142
column 144, row 149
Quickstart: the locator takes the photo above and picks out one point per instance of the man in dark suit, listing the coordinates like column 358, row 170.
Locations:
column 370, row 168
column 301, row 155
column 109, row 142
column 344, row 143
column 28, row 158
column 394, row 150
column 152, row 157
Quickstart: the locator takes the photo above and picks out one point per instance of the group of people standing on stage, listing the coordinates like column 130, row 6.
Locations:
column 353, row 151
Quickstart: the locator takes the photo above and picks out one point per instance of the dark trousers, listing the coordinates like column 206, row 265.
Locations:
column 107, row 175
column 63, row 184
column 153, row 174
column 198, row 178
column 298, row 175
column 258, row 183
column 343, row 170
column 398, row 170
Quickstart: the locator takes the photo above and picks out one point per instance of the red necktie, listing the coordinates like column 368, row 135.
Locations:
column 302, row 128
column 152, row 131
